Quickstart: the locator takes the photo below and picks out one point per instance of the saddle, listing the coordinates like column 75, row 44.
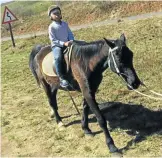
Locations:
column 48, row 61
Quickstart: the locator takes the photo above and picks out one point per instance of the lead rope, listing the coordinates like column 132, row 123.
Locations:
column 150, row 90
column 117, row 70
column 151, row 97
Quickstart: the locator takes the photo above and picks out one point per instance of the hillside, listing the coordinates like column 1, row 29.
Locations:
column 33, row 17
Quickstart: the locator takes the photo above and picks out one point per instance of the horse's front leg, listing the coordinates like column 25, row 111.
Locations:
column 81, row 78
column 85, row 119
column 101, row 120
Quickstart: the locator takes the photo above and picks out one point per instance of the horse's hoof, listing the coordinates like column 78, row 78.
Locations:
column 60, row 124
column 115, row 151
column 89, row 133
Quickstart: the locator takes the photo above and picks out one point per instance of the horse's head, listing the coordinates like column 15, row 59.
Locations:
column 120, row 61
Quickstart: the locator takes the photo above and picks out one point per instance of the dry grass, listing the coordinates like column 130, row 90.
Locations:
column 33, row 15
column 27, row 129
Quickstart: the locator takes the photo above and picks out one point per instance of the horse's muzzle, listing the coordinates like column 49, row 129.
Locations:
column 133, row 86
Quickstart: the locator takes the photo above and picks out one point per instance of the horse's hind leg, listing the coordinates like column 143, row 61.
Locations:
column 85, row 119
column 53, row 103
column 51, row 94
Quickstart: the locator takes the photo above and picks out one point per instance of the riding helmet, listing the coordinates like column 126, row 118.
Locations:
column 53, row 7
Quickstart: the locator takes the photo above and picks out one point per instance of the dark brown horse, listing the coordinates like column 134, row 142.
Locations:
column 88, row 62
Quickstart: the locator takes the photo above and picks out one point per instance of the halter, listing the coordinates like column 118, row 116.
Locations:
column 110, row 53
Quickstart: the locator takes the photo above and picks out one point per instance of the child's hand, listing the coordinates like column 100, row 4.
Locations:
column 68, row 43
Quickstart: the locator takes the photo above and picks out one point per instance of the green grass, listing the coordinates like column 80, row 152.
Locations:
column 28, row 8
column 28, row 130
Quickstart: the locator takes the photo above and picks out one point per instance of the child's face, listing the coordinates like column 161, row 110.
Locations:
column 56, row 15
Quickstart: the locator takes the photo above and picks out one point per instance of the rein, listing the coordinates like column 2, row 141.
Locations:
column 120, row 74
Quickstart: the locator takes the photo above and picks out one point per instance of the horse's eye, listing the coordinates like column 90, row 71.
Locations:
column 117, row 52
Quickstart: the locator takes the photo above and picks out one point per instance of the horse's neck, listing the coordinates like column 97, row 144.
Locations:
column 99, row 59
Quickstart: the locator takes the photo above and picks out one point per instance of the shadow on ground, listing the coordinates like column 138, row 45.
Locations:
column 132, row 117
column 135, row 119
column 129, row 117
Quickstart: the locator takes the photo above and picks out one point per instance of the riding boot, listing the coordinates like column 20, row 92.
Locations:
column 58, row 66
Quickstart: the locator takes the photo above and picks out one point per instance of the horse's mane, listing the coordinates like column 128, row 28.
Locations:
column 86, row 50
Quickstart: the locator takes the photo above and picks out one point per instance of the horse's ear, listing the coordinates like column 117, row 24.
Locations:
column 111, row 44
column 122, row 37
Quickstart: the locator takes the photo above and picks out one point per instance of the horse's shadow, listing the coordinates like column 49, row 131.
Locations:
column 134, row 119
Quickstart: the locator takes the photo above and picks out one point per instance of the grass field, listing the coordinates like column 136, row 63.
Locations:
column 32, row 15
column 28, row 130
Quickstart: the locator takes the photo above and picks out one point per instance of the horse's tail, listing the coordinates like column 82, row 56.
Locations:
column 32, row 63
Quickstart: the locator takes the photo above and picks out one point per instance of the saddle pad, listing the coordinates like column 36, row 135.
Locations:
column 47, row 65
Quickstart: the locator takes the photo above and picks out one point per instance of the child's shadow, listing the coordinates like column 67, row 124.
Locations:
column 136, row 119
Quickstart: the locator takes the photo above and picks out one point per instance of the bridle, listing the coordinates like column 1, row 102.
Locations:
column 111, row 56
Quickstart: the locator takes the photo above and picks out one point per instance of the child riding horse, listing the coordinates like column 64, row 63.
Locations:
column 88, row 62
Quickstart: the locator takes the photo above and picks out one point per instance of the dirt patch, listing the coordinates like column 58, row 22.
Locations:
column 136, row 8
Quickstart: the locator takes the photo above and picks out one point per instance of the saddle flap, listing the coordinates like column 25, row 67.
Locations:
column 48, row 62
column 47, row 65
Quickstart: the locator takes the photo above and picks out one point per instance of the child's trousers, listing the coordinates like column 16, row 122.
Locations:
column 58, row 57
